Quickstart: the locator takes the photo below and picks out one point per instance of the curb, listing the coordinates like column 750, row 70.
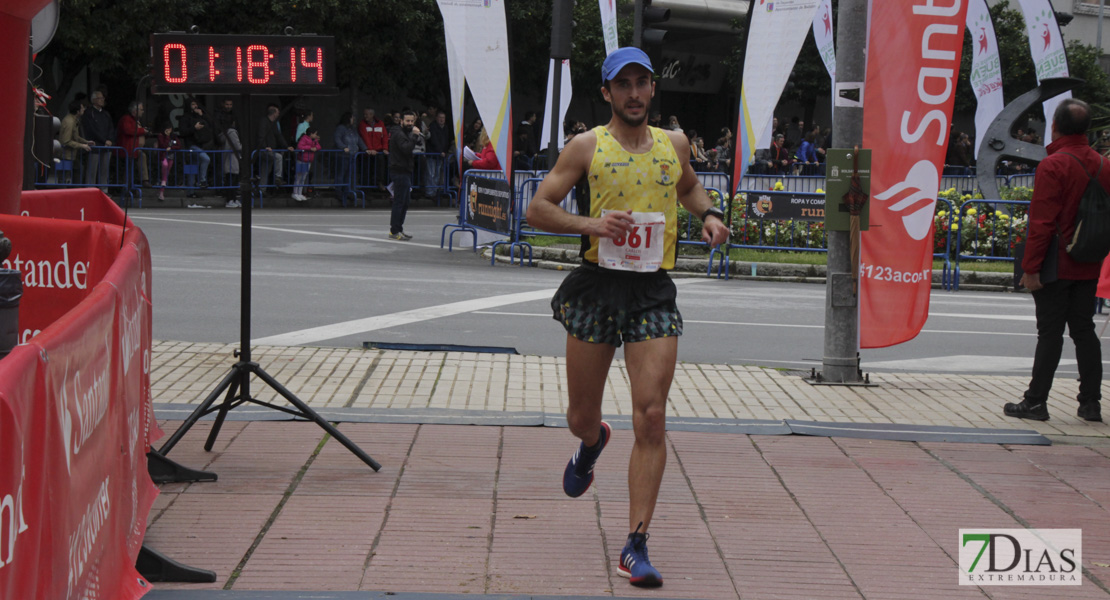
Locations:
column 565, row 259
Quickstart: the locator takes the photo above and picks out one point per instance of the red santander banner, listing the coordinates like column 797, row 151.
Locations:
column 75, row 414
column 907, row 109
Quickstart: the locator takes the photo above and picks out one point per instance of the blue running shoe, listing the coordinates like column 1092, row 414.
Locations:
column 580, row 470
column 635, row 564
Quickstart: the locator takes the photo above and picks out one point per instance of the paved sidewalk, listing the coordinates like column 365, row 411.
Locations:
column 372, row 379
column 478, row 510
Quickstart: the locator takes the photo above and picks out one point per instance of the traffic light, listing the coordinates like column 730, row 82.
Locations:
column 45, row 145
column 562, row 26
column 648, row 16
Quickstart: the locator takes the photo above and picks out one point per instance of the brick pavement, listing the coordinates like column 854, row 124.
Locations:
column 478, row 510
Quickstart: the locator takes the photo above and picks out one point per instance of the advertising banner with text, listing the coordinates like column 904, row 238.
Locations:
column 1047, row 47
column 75, row 425
column 609, row 24
column 826, row 47
column 783, row 206
column 60, row 260
column 907, row 110
column 986, row 69
column 488, row 202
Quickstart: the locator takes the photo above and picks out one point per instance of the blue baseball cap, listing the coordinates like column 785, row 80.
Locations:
column 621, row 58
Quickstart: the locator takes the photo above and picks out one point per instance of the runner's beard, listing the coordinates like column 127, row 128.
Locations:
column 631, row 121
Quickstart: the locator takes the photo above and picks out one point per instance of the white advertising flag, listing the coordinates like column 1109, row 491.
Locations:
column 457, row 82
column 986, row 70
column 1047, row 47
column 564, row 103
column 477, row 31
column 609, row 24
column 778, row 30
column 823, row 36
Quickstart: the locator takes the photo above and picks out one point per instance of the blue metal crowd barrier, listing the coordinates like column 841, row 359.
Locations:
column 462, row 226
column 181, row 169
column 995, row 233
column 104, row 167
column 790, row 183
column 946, row 278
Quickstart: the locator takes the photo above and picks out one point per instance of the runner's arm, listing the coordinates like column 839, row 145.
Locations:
column 693, row 196
column 544, row 212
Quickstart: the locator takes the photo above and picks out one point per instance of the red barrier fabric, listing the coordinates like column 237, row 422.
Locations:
column 907, row 109
column 75, row 204
column 15, row 28
column 61, row 262
column 1104, row 280
column 76, row 422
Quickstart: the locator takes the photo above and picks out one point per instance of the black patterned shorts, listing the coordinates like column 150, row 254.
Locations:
column 601, row 306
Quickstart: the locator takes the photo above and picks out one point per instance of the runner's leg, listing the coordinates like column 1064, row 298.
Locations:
column 587, row 369
column 651, row 366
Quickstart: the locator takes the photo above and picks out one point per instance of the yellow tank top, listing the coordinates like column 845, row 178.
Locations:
column 621, row 180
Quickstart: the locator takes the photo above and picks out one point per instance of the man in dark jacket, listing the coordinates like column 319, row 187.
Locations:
column 402, row 141
column 268, row 138
column 1069, row 299
column 98, row 128
column 197, row 133
column 346, row 138
column 441, row 142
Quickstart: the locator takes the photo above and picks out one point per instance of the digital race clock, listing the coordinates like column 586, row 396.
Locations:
column 235, row 64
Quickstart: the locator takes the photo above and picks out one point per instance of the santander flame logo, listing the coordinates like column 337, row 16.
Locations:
column 919, row 189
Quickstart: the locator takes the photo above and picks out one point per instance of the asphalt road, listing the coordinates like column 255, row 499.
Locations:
column 331, row 277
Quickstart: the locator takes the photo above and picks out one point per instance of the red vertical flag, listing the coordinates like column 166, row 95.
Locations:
column 906, row 114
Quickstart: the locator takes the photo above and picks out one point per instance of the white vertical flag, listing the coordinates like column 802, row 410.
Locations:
column 823, row 36
column 778, row 30
column 457, row 82
column 1047, row 47
column 986, row 70
column 564, row 103
column 609, row 24
column 478, row 32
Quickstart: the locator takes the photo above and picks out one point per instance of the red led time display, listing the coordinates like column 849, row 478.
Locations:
column 189, row 63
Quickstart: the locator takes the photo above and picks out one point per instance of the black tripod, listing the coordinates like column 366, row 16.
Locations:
column 235, row 386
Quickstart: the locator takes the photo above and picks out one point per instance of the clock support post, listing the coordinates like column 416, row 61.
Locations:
column 235, row 386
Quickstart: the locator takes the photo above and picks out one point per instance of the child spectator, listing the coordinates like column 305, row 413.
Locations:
column 307, row 147
column 168, row 143
column 231, row 161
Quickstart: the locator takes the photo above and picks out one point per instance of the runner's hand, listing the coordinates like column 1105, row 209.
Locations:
column 714, row 232
column 613, row 225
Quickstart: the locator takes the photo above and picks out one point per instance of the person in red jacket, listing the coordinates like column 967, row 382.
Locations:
column 375, row 135
column 131, row 136
column 487, row 158
column 1069, row 298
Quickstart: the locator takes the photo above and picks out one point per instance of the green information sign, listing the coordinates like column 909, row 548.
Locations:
column 838, row 177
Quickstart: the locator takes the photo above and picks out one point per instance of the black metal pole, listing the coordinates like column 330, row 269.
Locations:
column 562, row 12
column 245, row 262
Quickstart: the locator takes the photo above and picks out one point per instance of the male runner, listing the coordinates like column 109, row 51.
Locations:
column 630, row 177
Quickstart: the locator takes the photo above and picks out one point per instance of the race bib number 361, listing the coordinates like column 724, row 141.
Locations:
column 640, row 250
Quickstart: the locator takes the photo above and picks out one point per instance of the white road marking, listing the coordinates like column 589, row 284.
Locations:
column 744, row 324
column 346, row 236
column 963, row 362
column 327, row 332
column 984, row 316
